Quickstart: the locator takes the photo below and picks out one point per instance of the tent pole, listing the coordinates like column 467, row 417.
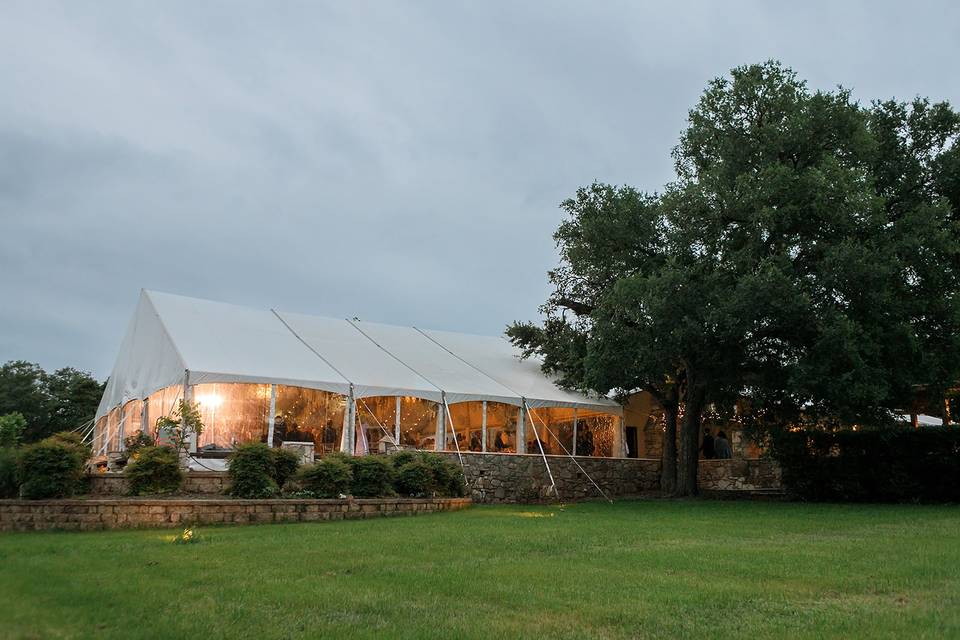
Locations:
column 453, row 429
column 346, row 440
column 271, row 417
column 483, row 427
column 522, row 427
column 574, row 431
column 396, row 424
column 553, row 484
column 576, row 462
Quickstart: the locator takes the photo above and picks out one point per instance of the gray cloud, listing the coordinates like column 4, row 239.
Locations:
column 400, row 162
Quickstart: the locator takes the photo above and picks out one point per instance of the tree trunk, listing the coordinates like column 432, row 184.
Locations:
column 668, row 457
column 690, row 440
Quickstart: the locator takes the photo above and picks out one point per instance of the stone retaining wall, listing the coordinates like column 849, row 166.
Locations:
column 195, row 482
column 739, row 474
column 497, row 477
column 116, row 513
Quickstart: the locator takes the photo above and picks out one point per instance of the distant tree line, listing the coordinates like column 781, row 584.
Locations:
column 50, row 402
column 805, row 263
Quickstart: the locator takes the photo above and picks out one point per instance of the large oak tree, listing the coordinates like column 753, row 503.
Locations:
column 806, row 257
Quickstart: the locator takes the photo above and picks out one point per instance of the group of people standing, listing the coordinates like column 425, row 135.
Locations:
column 715, row 447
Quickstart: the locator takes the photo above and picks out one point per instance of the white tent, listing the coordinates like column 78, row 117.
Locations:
column 179, row 341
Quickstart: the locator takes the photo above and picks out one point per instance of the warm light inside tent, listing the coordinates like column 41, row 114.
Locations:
column 210, row 400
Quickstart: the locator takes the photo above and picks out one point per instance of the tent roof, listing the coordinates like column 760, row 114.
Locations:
column 218, row 342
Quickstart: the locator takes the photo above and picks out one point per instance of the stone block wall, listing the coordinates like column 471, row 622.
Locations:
column 493, row 477
column 195, row 482
column 117, row 513
column 739, row 474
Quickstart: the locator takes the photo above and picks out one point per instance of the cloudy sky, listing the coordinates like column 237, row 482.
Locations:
column 399, row 162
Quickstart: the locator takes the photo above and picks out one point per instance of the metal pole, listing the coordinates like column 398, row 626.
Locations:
column 574, row 431
column 483, row 427
column 522, row 427
column 271, row 420
column 396, row 424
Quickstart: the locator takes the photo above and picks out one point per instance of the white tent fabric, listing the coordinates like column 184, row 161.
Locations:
column 459, row 381
column 174, row 338
column 372, row 370
column 499, row 360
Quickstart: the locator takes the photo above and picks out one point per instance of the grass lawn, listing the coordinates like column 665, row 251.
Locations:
column 693, row 569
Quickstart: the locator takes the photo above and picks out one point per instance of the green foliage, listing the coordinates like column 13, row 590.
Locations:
column 414, row 479
column 402, row 457
column 448, row 480
column 154, row 470
column 51, row 468
column 136, row 442
column 807, row 256
column 49, row 402
column 285, row 464
column 331, row 477
column 182, row 425
column 372, row 477
column 8, row 473
column 12, row 426
column 252, row 471
column 876, row 465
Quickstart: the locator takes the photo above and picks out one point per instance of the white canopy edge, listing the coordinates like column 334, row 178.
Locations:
column 325, row 354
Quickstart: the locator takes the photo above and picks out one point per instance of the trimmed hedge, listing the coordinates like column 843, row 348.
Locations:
column 372, row 477
column 328, row 478
column 285, row 465
column 257, row 471
column 252, row 471
column 414, row 479
column 8, row 473
column 52, row 468
column 153, row 470
column 890, row 465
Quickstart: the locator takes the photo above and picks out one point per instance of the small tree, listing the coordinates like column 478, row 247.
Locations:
column 182, row 425
column 12, row 426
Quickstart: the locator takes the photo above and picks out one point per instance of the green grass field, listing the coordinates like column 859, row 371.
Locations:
column 652, row 569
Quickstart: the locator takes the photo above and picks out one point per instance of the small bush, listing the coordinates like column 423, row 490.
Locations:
column 414, row 479
column 154, row 470
column 372, row 477
column 285, row 464
column 8, row 473
column 136, row 442
column 252, row 471
column 401, row 458
column 73, row 440
column 329, row 478
column 51, row 468
column 447, row 476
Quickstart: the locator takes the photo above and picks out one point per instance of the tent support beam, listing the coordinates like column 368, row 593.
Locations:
column 272, row 419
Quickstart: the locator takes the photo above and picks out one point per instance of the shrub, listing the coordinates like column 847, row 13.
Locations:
column 447, row 476
column 329, row 478
column 401, row 458
column 73, row 440
column 51, row 468
column 11, row 428
column 372, row 477
column 136, row 442
column 285, row 464
column 154, row 470
column 414, row 479
column 252, row 471
column 8, row 473
column 885, row 465
column 182, row 425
